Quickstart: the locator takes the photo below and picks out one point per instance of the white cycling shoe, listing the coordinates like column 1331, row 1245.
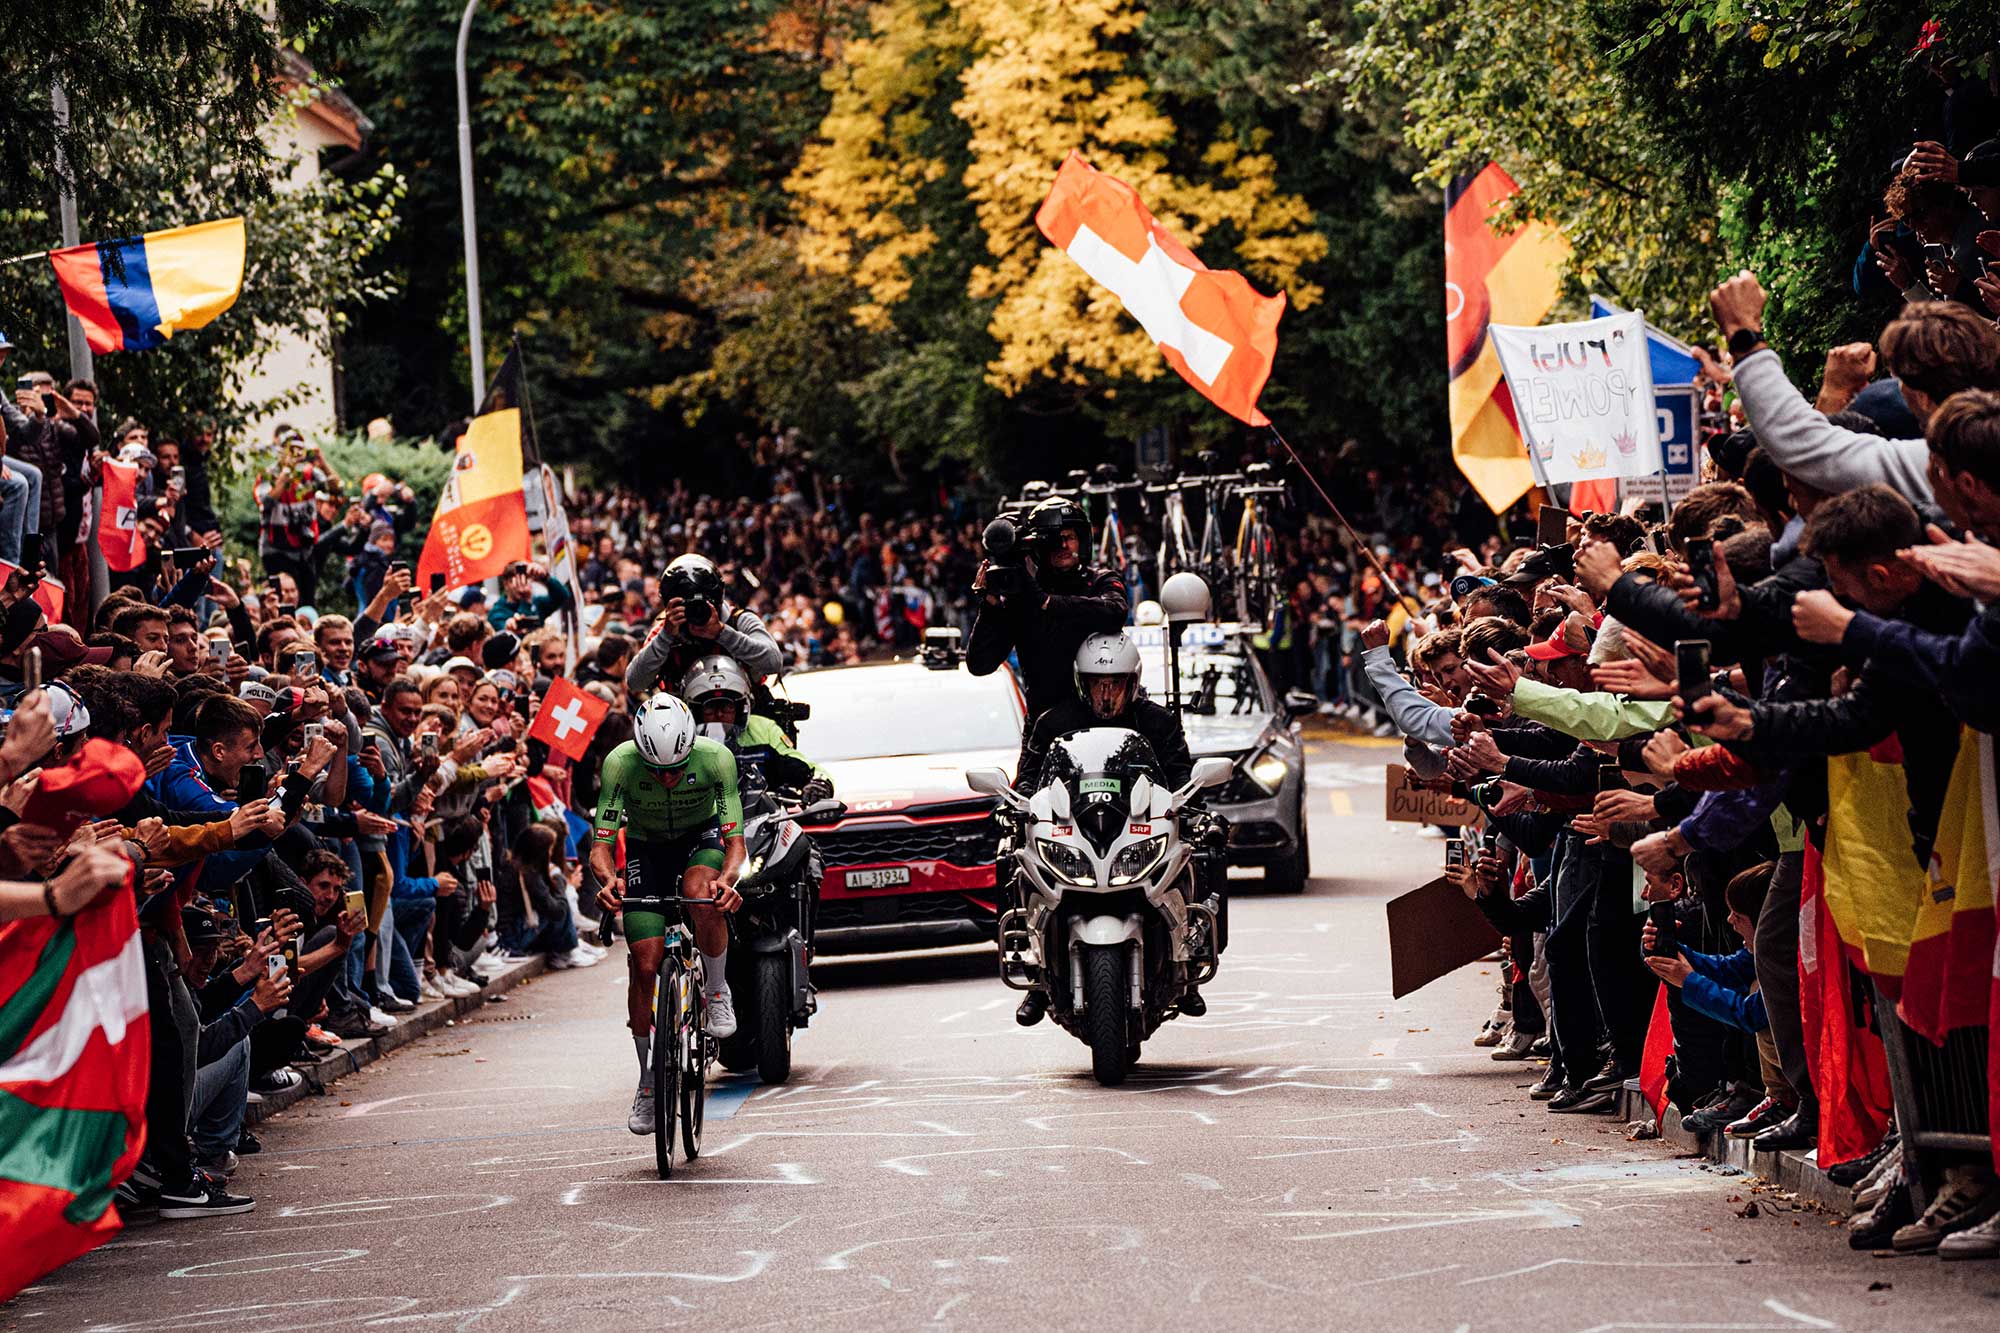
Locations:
column 641, row 1119
column 721, row 1016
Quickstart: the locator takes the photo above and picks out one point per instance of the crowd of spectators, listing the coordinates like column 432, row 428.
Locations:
column 1687, row 737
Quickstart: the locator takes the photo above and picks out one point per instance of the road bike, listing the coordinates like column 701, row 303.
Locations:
column 682, row 1049
column 1209, row 557
column 1255, row 551
column 1114, row 550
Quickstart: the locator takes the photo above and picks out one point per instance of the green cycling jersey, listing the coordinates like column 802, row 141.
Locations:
column 661, row 804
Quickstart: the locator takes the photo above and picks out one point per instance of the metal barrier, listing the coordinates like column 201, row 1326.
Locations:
column 1940, row 1097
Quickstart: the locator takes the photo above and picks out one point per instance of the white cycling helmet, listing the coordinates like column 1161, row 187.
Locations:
column 664, row 731
column 1107, row 655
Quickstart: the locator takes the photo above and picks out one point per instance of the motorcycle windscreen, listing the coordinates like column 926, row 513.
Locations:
column 1098, row 767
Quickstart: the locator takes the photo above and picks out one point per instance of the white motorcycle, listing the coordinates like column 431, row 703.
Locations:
column 1113, row 927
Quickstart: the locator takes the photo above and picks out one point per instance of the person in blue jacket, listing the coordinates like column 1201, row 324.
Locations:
column 1719, row 985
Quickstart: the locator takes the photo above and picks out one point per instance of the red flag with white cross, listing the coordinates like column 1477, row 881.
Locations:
column 1212, row 326
column 568, row 719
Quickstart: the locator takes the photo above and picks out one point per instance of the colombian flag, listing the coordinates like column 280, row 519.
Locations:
column 1512, row 279
column 134, row 294
column 482, row 516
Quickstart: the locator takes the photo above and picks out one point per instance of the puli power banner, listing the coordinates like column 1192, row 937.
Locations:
column 1583, row 396
column 1491, row 274
column 482, row 518
column 73, row 1065
column 1213, row 327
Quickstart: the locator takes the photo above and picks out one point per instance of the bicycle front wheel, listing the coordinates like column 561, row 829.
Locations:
column 666, row 1065
column 693, row 1047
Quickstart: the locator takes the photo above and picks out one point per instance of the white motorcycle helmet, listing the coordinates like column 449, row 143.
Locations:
column 664, row 731
column 1105, row 655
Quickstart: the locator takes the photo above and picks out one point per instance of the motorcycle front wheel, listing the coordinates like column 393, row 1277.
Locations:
column 773, row 978
column 1104, row 1011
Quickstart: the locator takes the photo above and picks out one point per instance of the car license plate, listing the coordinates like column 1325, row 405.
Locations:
column 880, row 878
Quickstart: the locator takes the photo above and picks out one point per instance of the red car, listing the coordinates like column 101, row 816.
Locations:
column 911, row 863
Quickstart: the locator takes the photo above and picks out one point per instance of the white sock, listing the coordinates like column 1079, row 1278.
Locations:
column 644, row 1046
column 714, row 979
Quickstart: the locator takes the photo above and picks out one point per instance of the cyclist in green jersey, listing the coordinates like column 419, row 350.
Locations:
column 674, row 794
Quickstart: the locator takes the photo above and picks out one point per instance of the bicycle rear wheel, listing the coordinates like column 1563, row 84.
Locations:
column 666, row 1064
column 694, row 1055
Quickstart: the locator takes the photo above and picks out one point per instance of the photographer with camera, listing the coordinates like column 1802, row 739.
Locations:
column 521, row 609
column 698, row 622
column 1039, row 600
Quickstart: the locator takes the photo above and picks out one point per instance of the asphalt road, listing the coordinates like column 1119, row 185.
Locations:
column 1312, row 1154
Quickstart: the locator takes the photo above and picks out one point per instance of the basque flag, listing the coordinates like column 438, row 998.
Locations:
column 73, row 1067
column 136, row 293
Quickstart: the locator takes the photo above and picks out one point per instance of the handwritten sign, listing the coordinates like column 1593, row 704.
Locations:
column 1583, row 394
column 1414, row 805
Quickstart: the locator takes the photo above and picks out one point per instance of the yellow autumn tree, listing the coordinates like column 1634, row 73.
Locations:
column 1034, row 79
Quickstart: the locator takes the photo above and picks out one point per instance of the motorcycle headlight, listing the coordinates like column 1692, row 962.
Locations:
column 753, row 867
column 1068, row 863
column 1267, row 770
column 1136, row 861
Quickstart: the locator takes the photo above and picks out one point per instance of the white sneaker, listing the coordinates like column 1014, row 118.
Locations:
column 593, row 948
column 429, row 990
column 559, row 962
column 582, row 957
column 1980, row 1242
column 721, row 1015
column 454, row 985
column 380, row 1019
column 641, row 1119
column 493, row 961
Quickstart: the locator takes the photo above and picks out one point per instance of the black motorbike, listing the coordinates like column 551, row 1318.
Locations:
column 770, row 953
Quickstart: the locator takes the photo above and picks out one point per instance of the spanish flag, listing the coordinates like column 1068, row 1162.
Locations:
column 1947, row 980
column 482, row 516
column 136, row 293
column 1488, row 277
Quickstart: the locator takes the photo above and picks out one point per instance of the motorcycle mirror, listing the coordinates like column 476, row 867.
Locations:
column 993, row 782
column 1142, row 793
column 1210, row 772
column 828, row 810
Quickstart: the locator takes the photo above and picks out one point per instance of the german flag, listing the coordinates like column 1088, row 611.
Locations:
column 1510, row 278
column 482, row 517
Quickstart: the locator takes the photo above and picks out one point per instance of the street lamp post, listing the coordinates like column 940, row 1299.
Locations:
column 478, row 347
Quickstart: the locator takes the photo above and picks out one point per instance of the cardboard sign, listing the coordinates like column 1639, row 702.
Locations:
column 1434, row 931
column 1413, row 805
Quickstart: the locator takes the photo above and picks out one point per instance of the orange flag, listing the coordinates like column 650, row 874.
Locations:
column 482, row 518
column 1210, row 324
column 118, row 521
column 1490, row 277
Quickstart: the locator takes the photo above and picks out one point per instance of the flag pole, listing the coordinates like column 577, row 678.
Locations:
column 1416, row 607
column 472, row 324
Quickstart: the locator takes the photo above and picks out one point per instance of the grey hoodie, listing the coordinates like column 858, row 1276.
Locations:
column 1798, row 438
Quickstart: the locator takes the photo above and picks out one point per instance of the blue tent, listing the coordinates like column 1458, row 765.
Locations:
column 1673, row 363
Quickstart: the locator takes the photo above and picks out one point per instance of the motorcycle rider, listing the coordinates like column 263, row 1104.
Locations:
column 1046, row 621
column 719, row 691
column 698, row 622
column 674, row 794
column 1106, row 671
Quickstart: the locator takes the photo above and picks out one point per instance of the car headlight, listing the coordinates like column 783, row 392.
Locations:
column 1136, row 861
column 1267, row 770
column 1068, row 863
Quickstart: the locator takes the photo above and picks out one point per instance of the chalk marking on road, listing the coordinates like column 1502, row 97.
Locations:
column 1217, row 1090
column 1267, row 1283
column 1420, row 1108
column 1128, row 1238
column 949, row 1305
column 1384, row 1046
column 314, row 1259
column 754, row 1264
column 374, row 1108
column 907, row 1165
column 1778, row 1307
column 1399, row 1277
column 932, row 1130
column 1041, row 1122
column 1547, row 1213
column 237, row 1316
column 1464, row 1138
column 783, row 1225
column 479, row 1203
column 1592, row 1263
column 991, row 1005
column 954, row 1017
column 1201, row 1181
column 466, row 1317
column 572, row 1196
column 634, row 1232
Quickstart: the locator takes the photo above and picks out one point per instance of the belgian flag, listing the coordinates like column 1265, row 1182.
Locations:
column 1513, row 279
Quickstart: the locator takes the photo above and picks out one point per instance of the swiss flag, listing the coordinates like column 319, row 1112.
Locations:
column 568, row 719
column 1210, row 324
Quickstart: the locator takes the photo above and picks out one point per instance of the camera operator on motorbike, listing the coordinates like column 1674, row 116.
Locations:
column 674, row 793
column 1045, row 610
column 698, row 622
column 718, row 689
column 1106, row 673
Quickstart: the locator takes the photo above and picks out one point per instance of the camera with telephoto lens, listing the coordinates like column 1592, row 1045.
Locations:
column 699, row 610
column 1001, row 542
